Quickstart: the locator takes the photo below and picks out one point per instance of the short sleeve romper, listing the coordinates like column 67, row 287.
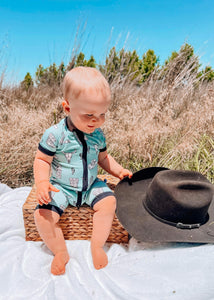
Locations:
column 74, row 166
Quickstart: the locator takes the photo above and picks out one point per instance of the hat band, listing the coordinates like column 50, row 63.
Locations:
column 177, row 225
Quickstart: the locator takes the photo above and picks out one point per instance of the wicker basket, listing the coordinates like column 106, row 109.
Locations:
column 76, row 224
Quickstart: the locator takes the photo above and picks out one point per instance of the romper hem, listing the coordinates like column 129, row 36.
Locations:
column 100, row 197
column 50, row 207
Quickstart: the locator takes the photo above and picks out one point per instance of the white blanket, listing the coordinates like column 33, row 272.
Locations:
column 135, row 272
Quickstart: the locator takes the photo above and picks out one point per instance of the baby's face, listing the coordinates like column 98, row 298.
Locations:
column 88, row 111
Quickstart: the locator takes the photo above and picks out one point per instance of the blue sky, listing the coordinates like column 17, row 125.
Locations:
column 34, row 32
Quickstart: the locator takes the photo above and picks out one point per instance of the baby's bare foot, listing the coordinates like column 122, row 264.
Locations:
column 59, row 262
column 100, row 258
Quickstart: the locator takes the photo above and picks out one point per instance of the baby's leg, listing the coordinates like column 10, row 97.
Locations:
column 102, row 222
column 46, row 221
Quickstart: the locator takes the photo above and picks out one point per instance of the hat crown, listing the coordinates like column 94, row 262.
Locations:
column 179, row 197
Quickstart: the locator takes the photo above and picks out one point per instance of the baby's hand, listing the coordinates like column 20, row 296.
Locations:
column 42, row 189
column 125, row 173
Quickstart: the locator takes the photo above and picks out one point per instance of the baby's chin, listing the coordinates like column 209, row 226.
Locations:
column 89, row 129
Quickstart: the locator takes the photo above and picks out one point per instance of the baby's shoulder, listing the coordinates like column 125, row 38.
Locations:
column 98, row 132
column 97, row 136
column 56, row 129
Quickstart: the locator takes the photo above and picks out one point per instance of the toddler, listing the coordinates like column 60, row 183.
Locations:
column 65, row 166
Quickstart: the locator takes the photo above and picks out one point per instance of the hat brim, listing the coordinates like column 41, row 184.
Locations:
column 130, row 194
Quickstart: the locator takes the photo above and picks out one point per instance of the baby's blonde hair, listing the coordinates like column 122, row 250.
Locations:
column 81, row 79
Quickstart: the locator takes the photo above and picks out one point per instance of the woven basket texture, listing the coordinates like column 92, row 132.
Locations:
column 76, row 224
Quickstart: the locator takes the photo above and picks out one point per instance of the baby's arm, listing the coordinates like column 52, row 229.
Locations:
column 109, row 164
column 41, row 168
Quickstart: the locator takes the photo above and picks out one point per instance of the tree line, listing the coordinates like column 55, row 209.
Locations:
column 125, row 64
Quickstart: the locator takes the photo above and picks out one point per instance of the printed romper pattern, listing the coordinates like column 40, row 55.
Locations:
column 74, row 166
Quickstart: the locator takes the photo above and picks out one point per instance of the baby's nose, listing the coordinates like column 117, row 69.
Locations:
column 95, row 119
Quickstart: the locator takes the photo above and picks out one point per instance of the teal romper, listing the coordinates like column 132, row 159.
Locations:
column 74, row 166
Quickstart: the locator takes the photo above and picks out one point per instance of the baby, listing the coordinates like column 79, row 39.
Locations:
column 65, row 166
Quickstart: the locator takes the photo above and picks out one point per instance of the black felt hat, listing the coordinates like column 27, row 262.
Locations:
column 162, row 205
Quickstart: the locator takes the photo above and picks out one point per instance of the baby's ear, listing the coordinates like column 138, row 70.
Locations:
column 65, row 105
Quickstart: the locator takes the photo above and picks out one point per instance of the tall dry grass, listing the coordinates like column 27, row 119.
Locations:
column 23, row 118
column 167, row 121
